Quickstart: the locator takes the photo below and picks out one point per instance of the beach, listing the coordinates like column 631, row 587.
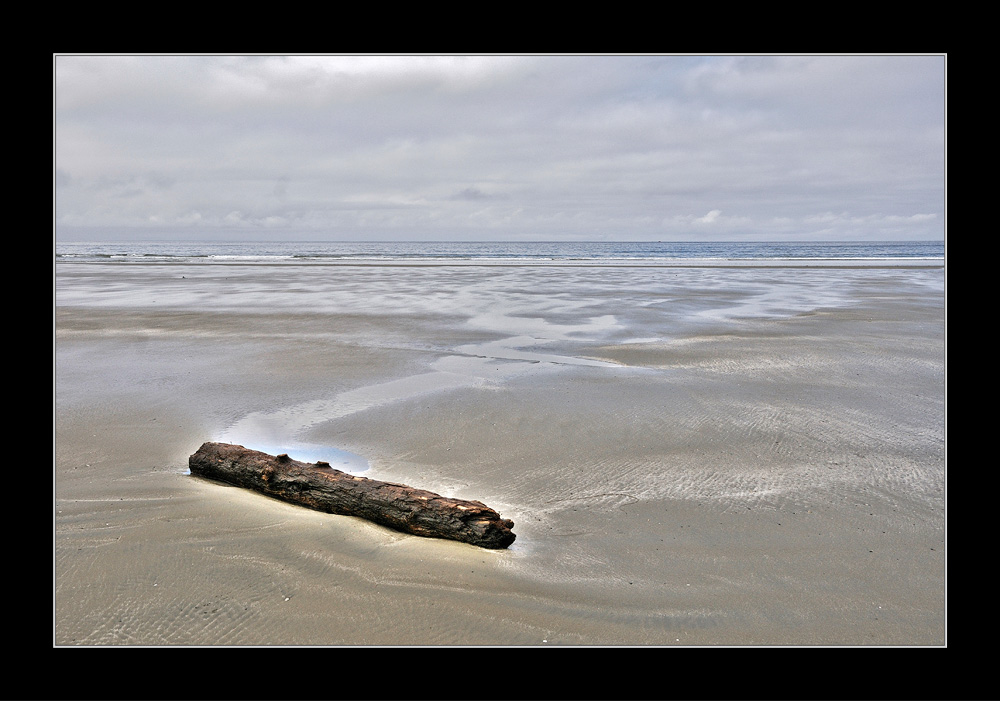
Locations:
column 691, row 455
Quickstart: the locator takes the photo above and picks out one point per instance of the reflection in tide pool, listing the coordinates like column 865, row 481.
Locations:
column 338, row 459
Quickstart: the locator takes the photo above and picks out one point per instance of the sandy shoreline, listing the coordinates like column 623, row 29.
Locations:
column 686, row 462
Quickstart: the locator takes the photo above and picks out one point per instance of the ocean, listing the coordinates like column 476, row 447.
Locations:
column 529, row 294
column 827, row 253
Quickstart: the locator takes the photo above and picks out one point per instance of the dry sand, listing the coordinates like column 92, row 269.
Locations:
column 756, row 479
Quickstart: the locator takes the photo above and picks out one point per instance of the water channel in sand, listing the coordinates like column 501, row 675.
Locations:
column 470, row 365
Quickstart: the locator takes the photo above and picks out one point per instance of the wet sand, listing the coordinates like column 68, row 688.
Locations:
column 751, row 457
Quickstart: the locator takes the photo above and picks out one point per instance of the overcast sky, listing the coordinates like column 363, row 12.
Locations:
column 499, row 147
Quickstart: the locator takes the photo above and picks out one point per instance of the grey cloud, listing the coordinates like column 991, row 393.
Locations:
column 473, row 194
column 573, row 146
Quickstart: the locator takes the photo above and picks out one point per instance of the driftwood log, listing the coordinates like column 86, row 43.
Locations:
column 320, row 487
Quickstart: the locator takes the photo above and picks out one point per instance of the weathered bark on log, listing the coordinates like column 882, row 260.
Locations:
column 320, row 487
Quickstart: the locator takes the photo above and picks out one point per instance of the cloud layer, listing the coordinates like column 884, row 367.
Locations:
column 499, row 147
